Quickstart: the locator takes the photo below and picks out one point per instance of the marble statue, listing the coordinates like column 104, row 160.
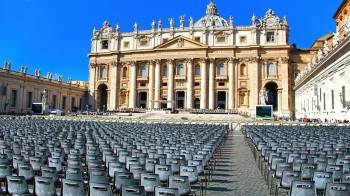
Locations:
column 254, row 20
column 231, row 21
column 182, row 21
column 171, row 23
column 191, row 22
column 320, row 54
column 336, row 39
column 153, row 24
column 117, row 28
column 37, row 72
column 160, row 24
column 263, row 97
column 44, row 97
column 326, row 48
column 136, row 27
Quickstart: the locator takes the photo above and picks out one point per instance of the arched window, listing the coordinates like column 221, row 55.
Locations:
column 103, row 73
column 180, row 70
column 143, row 71
column 165, row 71
column 221, row 69
column 243, row 70
column 197, row 70
column 125, row 72
column 271, row 70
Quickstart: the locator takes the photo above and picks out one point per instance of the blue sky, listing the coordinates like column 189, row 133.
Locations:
column 54, row 35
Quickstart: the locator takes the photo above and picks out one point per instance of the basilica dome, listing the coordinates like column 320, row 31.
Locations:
column 211, row 18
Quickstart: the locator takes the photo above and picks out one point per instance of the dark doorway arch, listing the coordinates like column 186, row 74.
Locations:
column 197, row 103
column 272, row 98
column 221, row 103
column 102, row 97
column 180, row 99
column 142, row 99
column 163, row 104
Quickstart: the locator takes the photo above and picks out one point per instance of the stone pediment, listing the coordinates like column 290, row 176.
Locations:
column 180, row 42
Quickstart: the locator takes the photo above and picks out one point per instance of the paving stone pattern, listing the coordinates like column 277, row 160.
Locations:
column 236, row 173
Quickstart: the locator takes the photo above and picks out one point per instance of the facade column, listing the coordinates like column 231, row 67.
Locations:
column 133, row 84
column 253, row 73
column 236, row 101
column 189, row 95
column 170, row 83
column 279, row 100
column 283, row 73
column 113, row 79
column 203, row 101
column 212, row 84
column 231, row 85
column 157, row 85
column 150, row 85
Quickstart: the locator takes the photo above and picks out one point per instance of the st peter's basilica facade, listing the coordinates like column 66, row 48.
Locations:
column 207, row 64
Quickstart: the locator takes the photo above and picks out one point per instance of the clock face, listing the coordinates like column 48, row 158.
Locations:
column 270, row 21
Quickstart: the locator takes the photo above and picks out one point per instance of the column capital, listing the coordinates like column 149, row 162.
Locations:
column 157, row 61
column 114, row 63
column 189, row 60
column 284, row 59
column 170, row 61
column 212, row 60
column 203, row 60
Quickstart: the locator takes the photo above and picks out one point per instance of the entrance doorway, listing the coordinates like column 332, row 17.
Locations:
column 102, row 97
column 163, row 104
column 197, row 103
column 142, row 99
column 272, row 98
column 180, row 99
column 221, row 104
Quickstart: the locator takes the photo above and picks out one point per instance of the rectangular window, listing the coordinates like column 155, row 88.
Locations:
column 221, row 39
column 343, row 96
column 165, row 84
column 270, row 37
column 324, row 101
column 243, row 39
column 221, row 83
column 144, row 43
column 64, row 100
column 29, row 99
column 196, row 84
column 104, row 44
column 197, row 39
column 142, row 84
column 13, row 102
column 332, row 95
column 126, row 44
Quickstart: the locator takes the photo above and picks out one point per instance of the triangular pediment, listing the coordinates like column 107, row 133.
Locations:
column 180, row 42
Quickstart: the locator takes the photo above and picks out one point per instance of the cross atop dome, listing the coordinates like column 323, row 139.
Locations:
column 211, row 9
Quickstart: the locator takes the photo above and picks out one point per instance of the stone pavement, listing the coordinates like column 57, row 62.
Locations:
column 236, row 173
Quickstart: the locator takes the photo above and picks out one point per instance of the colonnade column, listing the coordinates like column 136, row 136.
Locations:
column 231, row 85
column 189, row 97
column 157, row 85
column 133, row 83
column 212, row 84
column 279, row 100
column 203, row 101
column 170, row 83
column 150, row 85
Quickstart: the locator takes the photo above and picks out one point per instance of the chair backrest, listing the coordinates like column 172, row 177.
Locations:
column 100, row 189
column 181, row 183
column 25, row 170
column 44, row 186
column 74, row 174
column 162, row 191
column 136, row 170
column 5, row 170
column 16, row 185
column 149, row 181
column 164, row 171
column 321, row 179
column 337, row 189
column 49, row 172
column 190, row 172
column 123, row 179
column 73, row 187
column 133, row 190
column 288, row 177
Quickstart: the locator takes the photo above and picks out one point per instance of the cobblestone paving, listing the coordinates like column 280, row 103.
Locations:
column 236, row 172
